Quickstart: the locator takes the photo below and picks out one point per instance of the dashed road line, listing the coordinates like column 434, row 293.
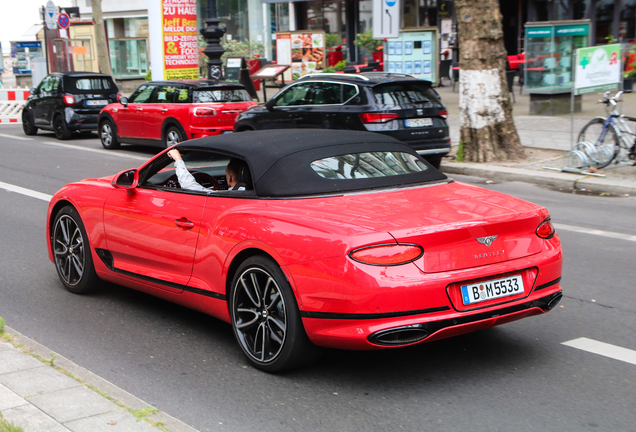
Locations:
column 17, row 137
column 591, row 231
column 25, row 191
column 604, row 349
column 104, row 152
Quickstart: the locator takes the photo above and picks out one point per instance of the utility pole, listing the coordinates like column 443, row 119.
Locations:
column 100, row 38
column 213, row 33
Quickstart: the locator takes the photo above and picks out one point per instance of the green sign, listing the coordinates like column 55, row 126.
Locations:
column 572, row 30
column 539, row 32
column 597, row 69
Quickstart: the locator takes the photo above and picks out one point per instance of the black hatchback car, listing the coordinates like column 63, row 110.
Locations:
column 398, row 105
column 68, row 102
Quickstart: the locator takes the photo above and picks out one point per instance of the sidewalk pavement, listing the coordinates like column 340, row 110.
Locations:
column 40, row 398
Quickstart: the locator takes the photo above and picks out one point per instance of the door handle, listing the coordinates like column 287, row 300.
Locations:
column 139, row 109
column 164, row 109
column 184, row 223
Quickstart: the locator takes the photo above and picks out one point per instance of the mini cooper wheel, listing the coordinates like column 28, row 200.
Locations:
column 173, row 136
column 72, row 254
column 60, row 128
column 27, row 124
column 265, row 317
column 108, row 136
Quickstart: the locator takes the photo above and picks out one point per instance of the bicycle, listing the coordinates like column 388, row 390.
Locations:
column 604, row 139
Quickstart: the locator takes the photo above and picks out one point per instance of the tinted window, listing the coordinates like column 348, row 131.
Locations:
column 296, row 95
column 50, row 85
column 91, row 84
column 368, row 165
column 221, row 95
column 164, row 94
column 141, row 95
column 327, row 93
column 404, row 94
column 348, row 91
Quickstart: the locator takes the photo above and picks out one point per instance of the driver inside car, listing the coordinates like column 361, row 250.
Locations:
column 236, row 174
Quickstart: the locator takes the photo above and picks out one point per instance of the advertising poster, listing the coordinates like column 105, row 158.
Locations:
column 303, row 50
column 180, row 39
column 22, row 54
column 414, row 53
column 598, row 69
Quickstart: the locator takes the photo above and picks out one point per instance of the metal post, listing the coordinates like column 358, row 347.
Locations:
column 213, row 33
column 46, row 39
column 572, row 143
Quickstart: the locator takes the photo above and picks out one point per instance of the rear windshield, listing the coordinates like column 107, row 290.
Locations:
column 405, row 94
column 221, row 95
column 90, row 85
column 368, row 165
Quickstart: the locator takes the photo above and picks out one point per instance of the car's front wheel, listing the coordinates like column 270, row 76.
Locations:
column 265, row 317
column 72, row 252
column 60, row 128
column 173, row 136
column 108, row 136
column 27, row 124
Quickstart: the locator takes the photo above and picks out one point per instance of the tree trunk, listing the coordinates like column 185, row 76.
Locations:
column 488, row 132
column 100, row 38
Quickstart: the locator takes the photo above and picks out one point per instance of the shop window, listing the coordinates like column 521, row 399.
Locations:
column 626, row 26
column 128, row 57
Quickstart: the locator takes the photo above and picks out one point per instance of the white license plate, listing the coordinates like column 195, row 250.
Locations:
column 492, row 289
column 419, row 122
column 96, row 102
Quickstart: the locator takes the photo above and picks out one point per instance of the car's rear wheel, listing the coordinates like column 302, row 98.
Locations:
column 108, row 136
column 265, row 317
column 72, row 253
column 173, row 136
column 60, row 128
column 27, row 124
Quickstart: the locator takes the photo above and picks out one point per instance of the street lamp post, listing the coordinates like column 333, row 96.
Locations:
column 213, row 33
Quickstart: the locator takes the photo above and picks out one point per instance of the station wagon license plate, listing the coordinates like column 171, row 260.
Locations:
column 97, row 102
column 418, row 122
column 492, row 289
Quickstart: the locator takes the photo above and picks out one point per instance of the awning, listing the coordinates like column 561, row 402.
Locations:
column 35, row 29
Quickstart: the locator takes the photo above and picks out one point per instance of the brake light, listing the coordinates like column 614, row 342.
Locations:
column 69, row 99
column 377, row 117
column 443, row 114
column 546, row 230
column 204, row 112
column 119, row 96
column 387, row 254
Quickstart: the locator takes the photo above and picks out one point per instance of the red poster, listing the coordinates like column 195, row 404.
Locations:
column 180, row 39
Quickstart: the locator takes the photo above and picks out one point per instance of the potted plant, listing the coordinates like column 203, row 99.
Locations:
column 365, row 40
column 629, row 73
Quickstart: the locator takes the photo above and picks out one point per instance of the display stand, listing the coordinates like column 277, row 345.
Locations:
column 414, row 52
column 236, row 70
column 270, row 72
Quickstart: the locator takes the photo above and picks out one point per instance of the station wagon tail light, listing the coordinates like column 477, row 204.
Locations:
column 546, row 230
column 204, row 112
column 69, row 99
column 387, row 254
column 377, row 117
column 443, row 114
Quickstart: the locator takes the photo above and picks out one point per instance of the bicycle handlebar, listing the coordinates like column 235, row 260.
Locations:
column 607, row 100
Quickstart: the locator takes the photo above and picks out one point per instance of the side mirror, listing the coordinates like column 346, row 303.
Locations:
column 270, row 104
column 127, row 180
column 124, row 101
column 34, row 91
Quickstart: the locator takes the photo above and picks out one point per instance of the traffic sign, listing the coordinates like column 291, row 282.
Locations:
column 386, row 18
column 63, row 20
column 50, row 15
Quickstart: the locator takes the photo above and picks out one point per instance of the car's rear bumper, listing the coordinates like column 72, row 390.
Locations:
column 209, row 131
column 81, row 121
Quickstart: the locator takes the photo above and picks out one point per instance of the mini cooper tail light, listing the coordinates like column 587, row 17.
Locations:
column 377, row 117
column 204, row 112
column 387, row 254
column 443, row 114
column 546, row 230
column 69, row 99
column 119, row 96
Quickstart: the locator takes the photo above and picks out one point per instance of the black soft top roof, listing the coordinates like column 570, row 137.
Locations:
column 279, row 160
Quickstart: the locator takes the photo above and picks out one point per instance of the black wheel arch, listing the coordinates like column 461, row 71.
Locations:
column 103, row 117
column 171, row 121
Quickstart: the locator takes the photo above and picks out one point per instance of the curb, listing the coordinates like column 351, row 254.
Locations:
column 89, row 378
column 544, row 178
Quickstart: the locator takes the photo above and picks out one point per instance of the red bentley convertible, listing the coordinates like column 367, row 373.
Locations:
column 340, row 239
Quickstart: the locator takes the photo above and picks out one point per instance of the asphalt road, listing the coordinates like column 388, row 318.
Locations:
column 517, row 377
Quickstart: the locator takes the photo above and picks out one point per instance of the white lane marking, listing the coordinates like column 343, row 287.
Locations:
column 104, row 152
column 604, row 349
column 609, row 234
column 27, row 192
column 16, row 137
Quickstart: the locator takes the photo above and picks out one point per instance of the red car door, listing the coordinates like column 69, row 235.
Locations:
column 159, row 107
column 152, row 234
column 130, row 118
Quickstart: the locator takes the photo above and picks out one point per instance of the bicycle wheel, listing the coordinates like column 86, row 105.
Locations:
column 605, row 141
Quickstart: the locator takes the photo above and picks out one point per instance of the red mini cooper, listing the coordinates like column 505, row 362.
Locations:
column 163, row 113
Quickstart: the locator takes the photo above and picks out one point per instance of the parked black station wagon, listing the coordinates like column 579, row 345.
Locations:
column 68, row 102
column 398, row 105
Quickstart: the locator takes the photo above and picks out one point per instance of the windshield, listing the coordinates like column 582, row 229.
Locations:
column 368, row 165
column 404, row 94
column 218, row 95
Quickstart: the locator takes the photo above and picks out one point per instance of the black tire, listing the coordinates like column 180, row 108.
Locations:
column 606, row 147
column 436, row 162
column 62, row 132
column 72, row 253
column 28, row 126
column 272, row 335
column 108, row 135
column 173, row 136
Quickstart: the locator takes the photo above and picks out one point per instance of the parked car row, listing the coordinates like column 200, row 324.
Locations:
column 163, row 113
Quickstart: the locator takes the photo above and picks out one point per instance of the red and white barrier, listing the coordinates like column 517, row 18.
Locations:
column 11, row 103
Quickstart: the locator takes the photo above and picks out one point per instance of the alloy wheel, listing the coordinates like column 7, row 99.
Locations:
column 68, row 248
column 172, row 138
column 260, row 318
column 107, row 134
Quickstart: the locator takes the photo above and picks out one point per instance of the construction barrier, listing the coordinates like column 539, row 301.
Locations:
column 11, row 103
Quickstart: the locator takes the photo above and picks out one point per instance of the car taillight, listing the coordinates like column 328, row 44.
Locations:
column 204, row 112
column 546, row 230
column 387, row 254
column 377, row 117
column 119, row 96
column 443, row 114
column 69, row 99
